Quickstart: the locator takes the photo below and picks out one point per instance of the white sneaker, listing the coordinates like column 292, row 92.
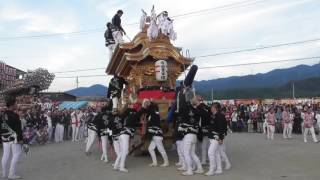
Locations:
column 14, row 177
column 209, row 173
column 217, row 172
column 178, row 164
column 124, row 170
column 199, row 171
column 187, row 173
column 228, row 166
column 104, row 159
column 165, row 165
column 182, row 169
column 153, row 165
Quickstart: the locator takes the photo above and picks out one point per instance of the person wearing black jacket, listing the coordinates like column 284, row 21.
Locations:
column 203, row 132
column 92, row 121
column 216, row 132
column 129, row 121
column 110, row 43
column 115, row 88
column 103, row 128
column 11, row 135
column 154, row 131
column 115, row 126
column 119, row 31
column 189, row 127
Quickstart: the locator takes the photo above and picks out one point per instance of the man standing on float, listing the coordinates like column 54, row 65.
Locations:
column 119, row 31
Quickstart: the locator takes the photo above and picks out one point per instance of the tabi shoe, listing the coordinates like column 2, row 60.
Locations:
column 166, row 164
column 14, row 177
column 178, row 164
column 218, row 172
column 227, row 167
column 199, row 171
column 209, row 173
column 187, row 173
column 153, row 165
column 123, row 170
column 182, row 169
column 104, row 158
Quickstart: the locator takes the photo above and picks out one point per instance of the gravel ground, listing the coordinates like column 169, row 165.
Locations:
column 252, row 157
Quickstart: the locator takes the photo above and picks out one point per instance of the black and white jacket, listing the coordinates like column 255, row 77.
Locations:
column 11, row 129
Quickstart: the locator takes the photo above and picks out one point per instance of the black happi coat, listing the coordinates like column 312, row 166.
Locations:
column 11, row 129
column 217, row 127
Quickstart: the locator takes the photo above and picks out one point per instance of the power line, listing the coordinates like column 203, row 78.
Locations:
column 222, row 66
column 263, row 62
column 216, row 54
column 259, row 48
column 79, row 70
column 223, row 7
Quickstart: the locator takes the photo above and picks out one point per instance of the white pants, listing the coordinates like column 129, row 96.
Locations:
column 116, row 147
column 264, row 127
column 287, row 130
column 189, row 151
column 156, row 142
column 16, row 151
column 270, row 132
column 81, row 132
column 180, row 152
column 75, row 132
column 214, row 156
column 59, row 132
column 118, row 37
column 115, row 101
column 49, row 130
column 305, row 134
column 223, row 154
column 123, row 151
column 91, row 138
column 111, row 48
column 204, row 149
column 104, row 144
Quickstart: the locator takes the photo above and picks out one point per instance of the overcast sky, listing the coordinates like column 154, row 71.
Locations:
column 255, row 24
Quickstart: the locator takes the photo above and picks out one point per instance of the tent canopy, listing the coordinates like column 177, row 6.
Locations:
column 73, row 104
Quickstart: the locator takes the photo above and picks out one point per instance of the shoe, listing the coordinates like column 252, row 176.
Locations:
column 209, row 173
column 182, row 169
column 217, row 172
column 178, row 164
column 123, row 170
column 104, row 158
column 165, row 165
column 187, row 173
column 228, row 166
column 87, row 153
column 204, row 163
column 199, row 171
column 153, row 165
column 14, row 177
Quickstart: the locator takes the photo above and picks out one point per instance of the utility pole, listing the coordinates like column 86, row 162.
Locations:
column 77, row 81
column 293, row 90
column 211, row 94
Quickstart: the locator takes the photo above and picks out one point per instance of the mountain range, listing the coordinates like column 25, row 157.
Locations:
column 249, row 86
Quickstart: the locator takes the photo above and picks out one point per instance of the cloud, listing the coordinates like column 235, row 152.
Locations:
column 37, row 20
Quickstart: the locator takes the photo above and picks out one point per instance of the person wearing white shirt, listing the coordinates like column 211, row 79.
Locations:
column 318, row 118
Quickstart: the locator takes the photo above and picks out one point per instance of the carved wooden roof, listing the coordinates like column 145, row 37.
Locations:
column 140, row 48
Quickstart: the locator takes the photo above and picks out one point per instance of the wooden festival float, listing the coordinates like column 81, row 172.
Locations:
column 151, row 65
column 27, row 88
